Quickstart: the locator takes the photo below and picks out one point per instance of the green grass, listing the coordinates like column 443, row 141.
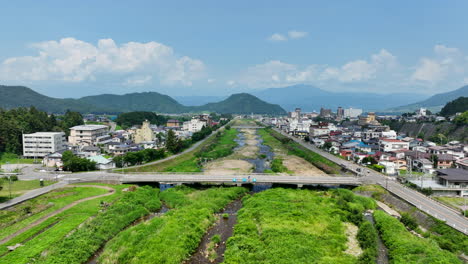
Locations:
column 117, row 127
column 277, row 141
column 294, row 226
column 173, row 237
column 81, row 244
column 65, row 222
column 405, row 247
column 277, row 166
column 213, row 148
column 454, row 202
column 19, row 187
column 12, row 158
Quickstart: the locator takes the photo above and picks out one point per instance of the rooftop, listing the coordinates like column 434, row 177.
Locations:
column 88, row 127
column 453, row 174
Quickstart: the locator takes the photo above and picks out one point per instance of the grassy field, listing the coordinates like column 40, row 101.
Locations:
column 454, row 202
column 279, row 142
column 405, row 247
column 18, row 188
column 41, row 237
column 295, row 226
column 173, row 237
column 214, row 147
column 13, row 159
column 81, row 244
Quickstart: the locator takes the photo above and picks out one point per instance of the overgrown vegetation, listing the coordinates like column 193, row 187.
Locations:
column 405, row 247
column 172, row 237
column 139, row 157
column 296, row 149
column 295, row 226
column 81, row 244
column 50, row 232
column 367, row 237
column 277, row 166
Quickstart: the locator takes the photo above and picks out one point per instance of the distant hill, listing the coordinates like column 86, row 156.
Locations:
column 147, row 101
column 20, row 96
column 458, row 105
column 435, row 102
column 311, row 98
column 243, row 103
column 198, row 100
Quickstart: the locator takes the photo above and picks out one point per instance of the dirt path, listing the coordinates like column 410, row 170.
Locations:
column 58, row 211
column 299, row 166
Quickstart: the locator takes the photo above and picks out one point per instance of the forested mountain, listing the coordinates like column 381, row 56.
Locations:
column 243, row 103
column 435, row 102
column 20, row 96
column 148, row 101
column 458, row 105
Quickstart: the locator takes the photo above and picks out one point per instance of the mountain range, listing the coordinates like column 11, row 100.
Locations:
column 311, row 98
column 435, row 102
column 20, row 96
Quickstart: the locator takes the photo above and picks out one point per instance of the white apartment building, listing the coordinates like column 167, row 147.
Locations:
column 40, row 144
column 392, row 145
column 352, row 113
column 86, row 135
column 193, row 125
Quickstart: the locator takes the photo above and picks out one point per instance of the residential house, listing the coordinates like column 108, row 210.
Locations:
column 392, row 144
column 102, row 163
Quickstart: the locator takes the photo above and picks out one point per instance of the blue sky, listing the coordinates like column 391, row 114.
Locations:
column 66, row 49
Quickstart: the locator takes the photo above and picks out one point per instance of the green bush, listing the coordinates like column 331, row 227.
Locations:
column 277, row 166
column 404, row 247
column 409, row 221
column 81, row 244
column 172, row 237
column 216, row 239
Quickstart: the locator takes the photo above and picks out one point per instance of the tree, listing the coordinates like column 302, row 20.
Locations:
column 71, row 119
column 420, row 135
column 73, row 163
column 369, row 159
column 327, row 145
column 171, row 141
column 458, row 105
column 435, row 160
column 461, row 119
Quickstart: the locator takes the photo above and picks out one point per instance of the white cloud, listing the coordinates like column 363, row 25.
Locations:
column 277, row 73
column 211, row 80
column 428, row 71
column 73, row 60
column 293, row 34
column 231, row 83
column 277, row 37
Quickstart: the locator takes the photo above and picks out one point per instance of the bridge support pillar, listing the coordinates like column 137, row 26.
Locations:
column 239, row 184
column 179, row 184
column 299, row 186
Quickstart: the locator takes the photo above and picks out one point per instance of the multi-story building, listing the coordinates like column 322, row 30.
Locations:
column 194, row 125
column 386, row 145
column 144, row 134
column 340, row 112
column 173, row 123
column 352, row 113
column 42, row 143
column 86, row 135
column 325, row 112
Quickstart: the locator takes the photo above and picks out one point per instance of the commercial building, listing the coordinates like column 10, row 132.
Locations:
column 86, row 135
column 352, row 113
column 41, row 144
column 194, row 125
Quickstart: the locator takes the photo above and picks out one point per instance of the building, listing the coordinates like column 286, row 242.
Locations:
column 369, row 119
column 173, row 123
column 455, row 179
column 296, row 114
column 387, row 145
column 144, row 134
column 40, row 144
column 319, row 130
column 102, row 163
column 194, row 125
column 86, row 135
column 340, row 112
column 352, row 113
column 325, row 113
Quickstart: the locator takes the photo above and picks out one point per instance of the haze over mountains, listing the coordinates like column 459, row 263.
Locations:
column 20, row 96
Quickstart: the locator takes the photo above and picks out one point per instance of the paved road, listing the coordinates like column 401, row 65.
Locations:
column 424, row 203
column 31, row 194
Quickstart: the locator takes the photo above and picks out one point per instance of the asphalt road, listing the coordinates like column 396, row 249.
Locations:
column 422, row 202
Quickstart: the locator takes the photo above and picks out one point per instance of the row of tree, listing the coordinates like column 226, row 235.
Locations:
column 139, row 157
column 74, row 163
column 17, row 121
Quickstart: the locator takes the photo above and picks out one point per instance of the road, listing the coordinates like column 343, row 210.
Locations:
column 426, row 204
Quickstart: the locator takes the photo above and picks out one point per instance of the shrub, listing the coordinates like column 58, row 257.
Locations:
column 409, row 221
column 216, row 239
column 225, row 215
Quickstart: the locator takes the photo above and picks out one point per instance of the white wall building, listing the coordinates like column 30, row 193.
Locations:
column 352, row 113
column 193, row 125
column 42, row 143
column 86, row 135
column 392, row 145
